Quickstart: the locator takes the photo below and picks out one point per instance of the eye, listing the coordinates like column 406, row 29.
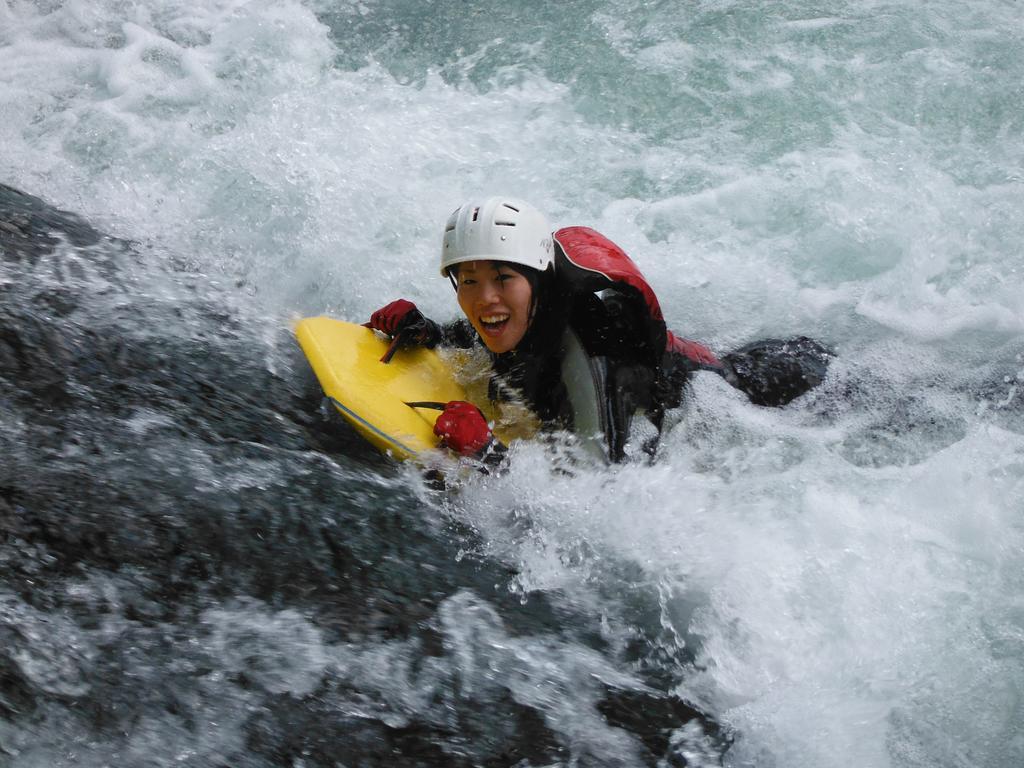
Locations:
column 466, row 281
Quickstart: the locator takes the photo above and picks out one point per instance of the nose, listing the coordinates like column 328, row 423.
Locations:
column 489, row 292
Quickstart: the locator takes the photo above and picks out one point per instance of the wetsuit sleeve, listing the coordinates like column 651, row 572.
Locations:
column 681, row 359
column 458, row 333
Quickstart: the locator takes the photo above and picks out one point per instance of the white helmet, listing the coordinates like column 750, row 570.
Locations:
column 497, row 229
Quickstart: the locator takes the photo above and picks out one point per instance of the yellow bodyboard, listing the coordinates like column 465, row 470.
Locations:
column 373, row 396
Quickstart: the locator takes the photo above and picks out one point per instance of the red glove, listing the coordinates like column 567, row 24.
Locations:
column 463, row 428
column 395, row 317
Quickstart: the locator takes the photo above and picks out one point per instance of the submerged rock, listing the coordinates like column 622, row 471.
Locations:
column 201, row 568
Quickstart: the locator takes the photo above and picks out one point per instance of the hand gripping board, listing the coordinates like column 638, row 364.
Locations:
column 372, row 395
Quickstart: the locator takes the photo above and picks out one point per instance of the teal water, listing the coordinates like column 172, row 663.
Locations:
column 837, row 584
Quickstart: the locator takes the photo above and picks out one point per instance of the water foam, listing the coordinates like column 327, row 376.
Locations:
column 838, row 581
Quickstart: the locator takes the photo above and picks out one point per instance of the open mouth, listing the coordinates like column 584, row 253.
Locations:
column 494, row 324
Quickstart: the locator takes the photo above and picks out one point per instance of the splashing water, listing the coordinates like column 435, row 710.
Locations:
column 199, row 568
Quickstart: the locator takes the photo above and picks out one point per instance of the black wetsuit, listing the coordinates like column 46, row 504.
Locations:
column 645, row 368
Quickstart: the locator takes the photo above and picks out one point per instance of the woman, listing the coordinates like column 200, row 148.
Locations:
column 573, row 329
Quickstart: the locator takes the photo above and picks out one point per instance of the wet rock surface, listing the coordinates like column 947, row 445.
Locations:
column 201, row 567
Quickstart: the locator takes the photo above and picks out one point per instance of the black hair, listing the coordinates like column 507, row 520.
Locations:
column 548, row 312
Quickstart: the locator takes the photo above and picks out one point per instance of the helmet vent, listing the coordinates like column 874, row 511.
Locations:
column 511, row 207
column 476, row 213
column 504, row 223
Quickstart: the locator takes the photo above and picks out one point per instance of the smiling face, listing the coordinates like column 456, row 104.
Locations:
column 496, row 299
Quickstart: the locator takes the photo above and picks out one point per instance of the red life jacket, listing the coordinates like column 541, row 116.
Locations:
column 586, row 260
